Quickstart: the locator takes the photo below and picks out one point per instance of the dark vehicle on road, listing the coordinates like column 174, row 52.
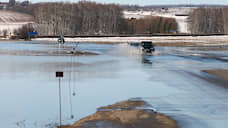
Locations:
column 147, row 47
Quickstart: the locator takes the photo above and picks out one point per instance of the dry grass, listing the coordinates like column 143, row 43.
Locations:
column 126, row 116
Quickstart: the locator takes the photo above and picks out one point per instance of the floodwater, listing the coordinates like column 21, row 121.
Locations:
column 29, row 93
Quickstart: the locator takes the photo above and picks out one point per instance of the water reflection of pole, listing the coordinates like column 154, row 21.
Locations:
column 60, row 112
column 60, row 45
column 70, row 98
column 59, row 75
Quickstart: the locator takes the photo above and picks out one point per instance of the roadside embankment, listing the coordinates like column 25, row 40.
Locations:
column 221, row 73
column 215, row 76
column 174, row 41
column 126, row 114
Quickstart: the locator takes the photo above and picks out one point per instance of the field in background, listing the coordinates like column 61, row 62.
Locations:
column 9, row 21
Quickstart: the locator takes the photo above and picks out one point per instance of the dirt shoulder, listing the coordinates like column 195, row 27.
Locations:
column 220, row 77
column 221, row 73
column 126, row 114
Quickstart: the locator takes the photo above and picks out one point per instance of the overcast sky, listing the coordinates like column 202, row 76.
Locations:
column 145, row 2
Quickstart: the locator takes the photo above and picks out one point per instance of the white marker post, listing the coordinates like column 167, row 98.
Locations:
column 60, row 75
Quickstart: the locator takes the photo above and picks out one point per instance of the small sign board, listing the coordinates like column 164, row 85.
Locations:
column 59, row 74
column 32, row 33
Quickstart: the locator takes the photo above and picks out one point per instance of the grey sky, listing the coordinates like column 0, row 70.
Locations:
column 146, row 2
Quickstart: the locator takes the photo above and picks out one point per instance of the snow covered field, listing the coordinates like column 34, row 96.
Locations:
column 169, row 12
column 9, row 21
column 198, row 40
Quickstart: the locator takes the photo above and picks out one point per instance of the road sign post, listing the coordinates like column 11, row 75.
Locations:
column 60, row 75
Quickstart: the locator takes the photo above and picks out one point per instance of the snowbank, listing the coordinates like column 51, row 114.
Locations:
column 198, row 40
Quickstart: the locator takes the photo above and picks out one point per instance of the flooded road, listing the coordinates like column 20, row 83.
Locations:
column 29, row 89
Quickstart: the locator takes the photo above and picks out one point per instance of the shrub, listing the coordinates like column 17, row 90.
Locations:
column 5, row 33
column 22, row 33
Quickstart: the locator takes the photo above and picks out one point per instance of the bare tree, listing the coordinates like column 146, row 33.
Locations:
column 81, row 18
column 207, row 20
column 22, row 33
column 225, row 19
column 149, row 25
column 11, row 3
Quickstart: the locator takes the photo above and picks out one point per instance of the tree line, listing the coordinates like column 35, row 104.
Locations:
column 209, row 20
column 90, row 18
column 149, row 25
column 77, row 19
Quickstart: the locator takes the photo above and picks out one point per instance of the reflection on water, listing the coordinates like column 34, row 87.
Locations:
column 146, row 60
column 29, row 89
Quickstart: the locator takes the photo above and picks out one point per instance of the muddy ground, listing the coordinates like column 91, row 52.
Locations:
column 221, row 73
column 220, row 77
column 126, row 114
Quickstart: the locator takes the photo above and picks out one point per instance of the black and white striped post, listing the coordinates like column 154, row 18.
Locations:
column 60, row 75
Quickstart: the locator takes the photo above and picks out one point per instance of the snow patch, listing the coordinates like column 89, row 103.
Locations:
column 180, row 14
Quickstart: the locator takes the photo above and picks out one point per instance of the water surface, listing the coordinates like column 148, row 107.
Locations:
column 29, row 89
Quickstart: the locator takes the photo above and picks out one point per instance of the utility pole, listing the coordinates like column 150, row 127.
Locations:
column 60, row 75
